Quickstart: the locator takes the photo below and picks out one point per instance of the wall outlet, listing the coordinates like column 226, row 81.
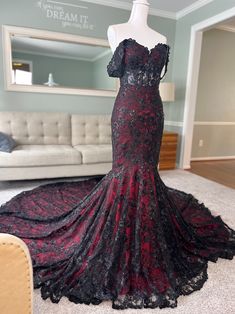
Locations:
column 200, row 143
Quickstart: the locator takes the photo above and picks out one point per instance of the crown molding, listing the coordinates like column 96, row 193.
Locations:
column 101, row 55
column 162, row 13
column 109, row 3
column 193, row 7
column 128, row 6
column 212, row 158
column 227, row 123
column 226, row 28
column 53, row 55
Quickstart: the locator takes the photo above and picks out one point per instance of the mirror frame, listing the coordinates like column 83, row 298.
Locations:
column 49, row 35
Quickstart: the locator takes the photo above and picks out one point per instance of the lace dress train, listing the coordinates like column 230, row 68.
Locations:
column 125, row 237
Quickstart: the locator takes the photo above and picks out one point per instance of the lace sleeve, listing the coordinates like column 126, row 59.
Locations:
column 115, row 68
column 166, row 61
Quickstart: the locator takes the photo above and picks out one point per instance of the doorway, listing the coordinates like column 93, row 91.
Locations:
column 192, row 82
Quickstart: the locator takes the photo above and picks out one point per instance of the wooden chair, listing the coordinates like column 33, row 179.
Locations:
column 16, row 276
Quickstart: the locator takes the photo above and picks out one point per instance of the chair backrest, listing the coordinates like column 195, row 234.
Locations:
column 91, row 129
column 16, row 276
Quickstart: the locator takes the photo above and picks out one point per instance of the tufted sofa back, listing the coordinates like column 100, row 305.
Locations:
column 91, row 129
column 37, row 127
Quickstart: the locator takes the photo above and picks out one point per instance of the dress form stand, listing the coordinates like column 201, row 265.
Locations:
column 136, row 28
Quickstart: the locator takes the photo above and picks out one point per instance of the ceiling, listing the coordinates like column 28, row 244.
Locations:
column 167, row 5
column 228, row 25
column 84, row 52
column 58, row 49
column 167, row 8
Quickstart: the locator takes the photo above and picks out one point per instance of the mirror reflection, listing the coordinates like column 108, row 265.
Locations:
column 56, row 64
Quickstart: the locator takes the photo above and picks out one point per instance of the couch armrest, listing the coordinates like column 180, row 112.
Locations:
column 16, row 276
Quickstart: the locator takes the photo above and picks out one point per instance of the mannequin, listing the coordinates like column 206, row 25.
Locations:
column 136, row 28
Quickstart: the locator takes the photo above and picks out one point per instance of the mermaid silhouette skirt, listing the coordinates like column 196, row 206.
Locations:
column 126, row 237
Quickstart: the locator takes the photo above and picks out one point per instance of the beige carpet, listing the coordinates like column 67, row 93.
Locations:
column 217, row 296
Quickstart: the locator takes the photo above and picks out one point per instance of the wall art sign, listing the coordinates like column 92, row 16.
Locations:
column 68, row 14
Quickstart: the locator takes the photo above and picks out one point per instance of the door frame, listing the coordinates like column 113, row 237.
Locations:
column 192, row 82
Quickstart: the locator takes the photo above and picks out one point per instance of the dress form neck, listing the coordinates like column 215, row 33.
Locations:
column 139, row 15
column 136, row 28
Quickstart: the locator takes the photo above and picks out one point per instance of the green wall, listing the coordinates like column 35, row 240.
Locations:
column 99, row 70
column 24, row 13
column 69, row 72
column 66, row 72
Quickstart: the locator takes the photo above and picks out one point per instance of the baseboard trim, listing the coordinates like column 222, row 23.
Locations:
column 214, row 123
column 212, row 158
column 173, row 123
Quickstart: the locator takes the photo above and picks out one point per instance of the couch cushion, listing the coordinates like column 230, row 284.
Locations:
column 37, row 127
column 95, row 153
column 91, row 129
column 40, row 155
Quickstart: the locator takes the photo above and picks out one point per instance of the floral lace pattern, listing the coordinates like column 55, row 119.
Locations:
column 138, row 67
column 125, row 237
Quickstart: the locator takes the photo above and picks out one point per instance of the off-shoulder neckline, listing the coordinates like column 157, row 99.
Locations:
column 146, row 48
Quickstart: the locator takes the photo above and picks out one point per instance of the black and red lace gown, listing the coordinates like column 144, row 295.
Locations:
column 126, row 237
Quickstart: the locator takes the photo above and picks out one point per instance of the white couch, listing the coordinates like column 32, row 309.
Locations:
column 53, row 145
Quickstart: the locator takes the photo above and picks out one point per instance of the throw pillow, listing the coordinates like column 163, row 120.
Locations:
column 6, row 143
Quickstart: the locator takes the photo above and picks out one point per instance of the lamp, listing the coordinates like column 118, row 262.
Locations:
column 167, row 92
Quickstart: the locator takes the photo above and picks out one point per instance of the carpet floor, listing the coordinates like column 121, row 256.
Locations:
column 216, row 296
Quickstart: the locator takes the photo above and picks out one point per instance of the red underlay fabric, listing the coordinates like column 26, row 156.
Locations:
column 126, row 236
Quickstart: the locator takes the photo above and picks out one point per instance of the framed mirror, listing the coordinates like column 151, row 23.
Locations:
column 50, row 62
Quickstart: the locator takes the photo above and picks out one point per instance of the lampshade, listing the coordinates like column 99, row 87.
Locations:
column 167, row 91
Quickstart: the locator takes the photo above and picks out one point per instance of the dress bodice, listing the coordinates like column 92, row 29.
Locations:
column 136, row 65
column 126, row 237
